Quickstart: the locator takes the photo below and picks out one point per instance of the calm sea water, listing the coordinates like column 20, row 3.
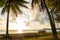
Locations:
column 11, row 31
column 32, row 31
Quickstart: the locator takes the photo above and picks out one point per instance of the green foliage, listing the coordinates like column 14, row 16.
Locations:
column 54, row 4
column 39, row 3
column 14, row 6
column 57, row 17
column 2, row 2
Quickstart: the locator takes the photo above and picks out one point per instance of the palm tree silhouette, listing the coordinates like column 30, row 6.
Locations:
column 14, row 6
column 44, row 6
column 54, row 5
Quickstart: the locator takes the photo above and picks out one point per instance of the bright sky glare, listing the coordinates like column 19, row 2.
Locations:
column 26, row 21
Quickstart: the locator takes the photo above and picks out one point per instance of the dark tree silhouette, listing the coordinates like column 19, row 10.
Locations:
column 14, row 6
column 44, row 6
column 51, row 21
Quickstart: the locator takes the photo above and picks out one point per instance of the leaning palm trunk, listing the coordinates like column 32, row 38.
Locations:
column 51, row 21
column 7, row 23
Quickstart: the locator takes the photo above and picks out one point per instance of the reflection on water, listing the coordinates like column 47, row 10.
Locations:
column 10, row 31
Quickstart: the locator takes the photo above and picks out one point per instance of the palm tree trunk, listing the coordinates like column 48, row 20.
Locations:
column 51, row 21
column 7, row 25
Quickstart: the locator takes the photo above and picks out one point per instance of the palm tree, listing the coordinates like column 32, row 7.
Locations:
column 14, row 6
column 54, row 5
column 51, row 18
column 43, row 5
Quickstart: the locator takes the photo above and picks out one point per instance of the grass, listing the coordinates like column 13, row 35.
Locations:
column 43, row 37
column 32, row 36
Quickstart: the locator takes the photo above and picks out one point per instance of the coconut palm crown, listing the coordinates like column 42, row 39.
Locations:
column 14, row 5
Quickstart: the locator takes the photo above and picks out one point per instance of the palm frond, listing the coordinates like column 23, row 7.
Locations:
column 22, row 5
column 3, row 10
column 17, row 8
column 14, row 6
column 22, row 1
column 13, row 9
column 34, row 2
column 42, row 4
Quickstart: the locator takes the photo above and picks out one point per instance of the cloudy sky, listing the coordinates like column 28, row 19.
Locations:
column 26, row 21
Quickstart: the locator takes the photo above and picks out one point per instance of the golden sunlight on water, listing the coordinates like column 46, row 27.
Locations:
column 21, row 25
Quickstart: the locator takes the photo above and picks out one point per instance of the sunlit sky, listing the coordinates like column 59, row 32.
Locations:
column 26, row 21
